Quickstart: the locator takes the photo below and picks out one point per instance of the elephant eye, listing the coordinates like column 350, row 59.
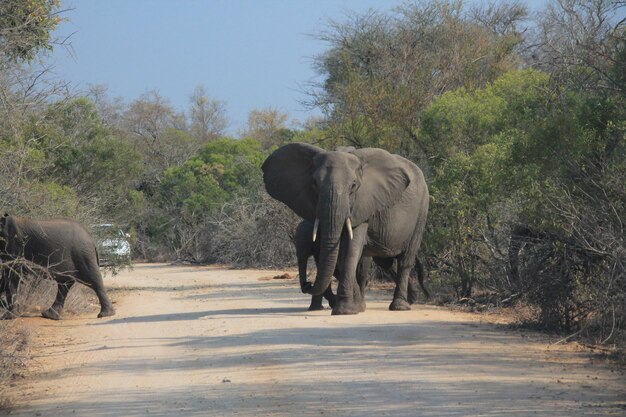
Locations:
column 353, row 186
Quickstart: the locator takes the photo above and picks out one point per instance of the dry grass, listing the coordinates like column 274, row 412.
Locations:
column 36, row 295
column 14, row 341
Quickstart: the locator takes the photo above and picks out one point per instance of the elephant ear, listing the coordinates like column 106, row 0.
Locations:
column 383, row 181
column 288, row 177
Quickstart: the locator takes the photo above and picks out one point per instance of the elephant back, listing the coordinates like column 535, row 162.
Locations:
column 52, row 241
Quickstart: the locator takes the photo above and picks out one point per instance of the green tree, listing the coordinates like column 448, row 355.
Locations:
column 382, row 70
column 192, row 194
column 83, row 155
column 525, row 163
column 223, row 168
column 481, row 144
column 25, row 27
column 25, row 89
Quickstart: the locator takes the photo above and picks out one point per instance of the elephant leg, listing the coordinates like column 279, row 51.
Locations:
column 106, row 307
column 400, row 297
column 90, row 276
column 316, row 303
column 405, row 264
column 54, row 312
column 412, row 290
column 391, row 267
column 11, row 292
column 304, row 249
column 329, row 296
column 348, row 300
column 362, row 277
column 316, row 300
column 421, row 275
column 10, row 283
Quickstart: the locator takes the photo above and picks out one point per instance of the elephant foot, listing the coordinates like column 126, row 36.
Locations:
column 316, row 303
column 106, row 312
column 343, row 308
column 362, row 307
column 399, row 305
column 51, row 314
column 412, row 298
column 332, row 301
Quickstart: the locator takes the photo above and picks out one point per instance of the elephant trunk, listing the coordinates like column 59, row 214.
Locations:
column 332, row 220
column 302, row 264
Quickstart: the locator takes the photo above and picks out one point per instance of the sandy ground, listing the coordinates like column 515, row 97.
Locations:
column 207, row 341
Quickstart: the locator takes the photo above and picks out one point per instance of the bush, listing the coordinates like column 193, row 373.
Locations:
column 13, row 354
column 253, row 232
column 37, row 290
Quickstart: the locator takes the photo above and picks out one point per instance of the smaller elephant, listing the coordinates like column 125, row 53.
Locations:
column 306, row 247
column 63, row 247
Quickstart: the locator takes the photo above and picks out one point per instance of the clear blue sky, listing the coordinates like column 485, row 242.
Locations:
column 247, row 53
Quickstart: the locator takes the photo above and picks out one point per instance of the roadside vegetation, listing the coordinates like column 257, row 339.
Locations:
column 518, row 120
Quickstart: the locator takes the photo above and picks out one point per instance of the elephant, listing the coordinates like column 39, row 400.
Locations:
column 306, row 247
column 63, row 247
column 362, row 203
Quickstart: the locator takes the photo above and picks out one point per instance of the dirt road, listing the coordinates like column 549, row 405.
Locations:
column 215, row 342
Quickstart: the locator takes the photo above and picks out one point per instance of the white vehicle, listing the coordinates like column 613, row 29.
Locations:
column 113, row 245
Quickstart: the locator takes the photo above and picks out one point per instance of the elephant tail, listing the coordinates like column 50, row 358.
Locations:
column 421, row 274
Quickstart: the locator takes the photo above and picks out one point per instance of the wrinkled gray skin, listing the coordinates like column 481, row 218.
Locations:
column 388, row 265
column 305, row 248
column 385, row 197
column 62, row 246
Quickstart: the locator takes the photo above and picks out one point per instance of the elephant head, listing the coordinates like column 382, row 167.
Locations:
column 337, row 190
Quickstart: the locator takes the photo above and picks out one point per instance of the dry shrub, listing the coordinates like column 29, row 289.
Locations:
column 549, row 281
column 37, row 291
column 575, row 276
column 252, row 232
column 36, row 295
column 81, row 300
column 14, row 340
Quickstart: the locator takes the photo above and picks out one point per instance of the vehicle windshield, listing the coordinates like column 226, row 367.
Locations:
column 108, row 231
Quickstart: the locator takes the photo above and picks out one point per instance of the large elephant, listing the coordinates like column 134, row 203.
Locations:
column 365, row 202
column 62, row 247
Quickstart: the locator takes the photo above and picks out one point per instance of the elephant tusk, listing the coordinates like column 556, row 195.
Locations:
column 349, row 227
column 317, row 222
